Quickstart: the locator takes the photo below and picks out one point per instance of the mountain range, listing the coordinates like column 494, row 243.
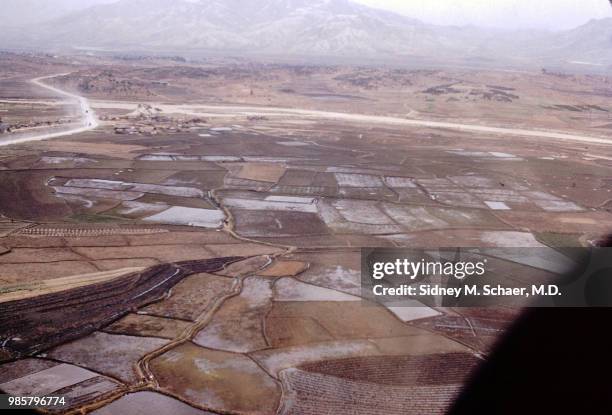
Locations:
column 332, row 28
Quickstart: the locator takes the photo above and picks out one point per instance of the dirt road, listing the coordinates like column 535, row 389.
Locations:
column 87, row 122
column 220, row 111
column 376, row 119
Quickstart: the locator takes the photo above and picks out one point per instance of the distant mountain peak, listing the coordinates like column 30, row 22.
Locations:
column 291, row 27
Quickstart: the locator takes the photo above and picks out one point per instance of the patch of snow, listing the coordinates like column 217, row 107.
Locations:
column 129, row 208
column 288, row 289
column 178, row 215
column 558, row 206
column 400, row 182
column 413, row 310
column 358, row 180
column 497, row 205
column 290, row 199
column 362, row 212
column 59, row 160
column 220, row 158
column 510, row 239
column 292, row 143
column 98, row 193
column 253, row 204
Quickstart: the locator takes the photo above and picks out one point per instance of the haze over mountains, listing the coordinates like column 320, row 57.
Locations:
column 285, row 27
column 24, row 12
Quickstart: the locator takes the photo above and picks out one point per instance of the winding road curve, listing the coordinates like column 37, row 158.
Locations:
column 88, row 118
column 89, row 121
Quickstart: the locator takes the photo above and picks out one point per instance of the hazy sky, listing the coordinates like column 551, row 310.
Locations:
column 542, row 14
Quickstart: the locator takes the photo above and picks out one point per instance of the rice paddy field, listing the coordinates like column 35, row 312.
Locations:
column 215, row 268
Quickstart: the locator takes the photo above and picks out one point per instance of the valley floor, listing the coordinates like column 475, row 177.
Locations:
column 206, row 257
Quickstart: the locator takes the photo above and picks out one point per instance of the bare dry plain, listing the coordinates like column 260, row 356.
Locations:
column 199, row 249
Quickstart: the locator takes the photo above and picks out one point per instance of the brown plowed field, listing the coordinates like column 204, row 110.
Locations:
column 36, row 324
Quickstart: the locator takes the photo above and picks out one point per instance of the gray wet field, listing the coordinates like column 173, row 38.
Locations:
column 297, row 205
